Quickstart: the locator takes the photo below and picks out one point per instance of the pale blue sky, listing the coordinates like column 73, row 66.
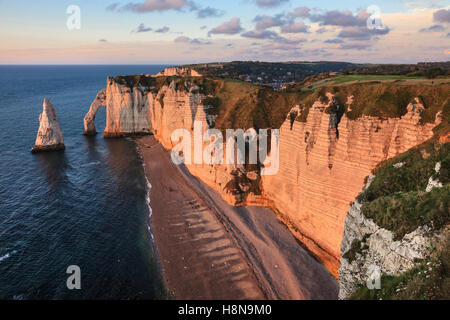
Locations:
column 35, row 32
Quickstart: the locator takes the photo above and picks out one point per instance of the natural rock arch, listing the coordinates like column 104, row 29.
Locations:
column 89, row 119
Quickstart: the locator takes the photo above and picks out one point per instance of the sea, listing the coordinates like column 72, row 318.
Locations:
column 87, row 206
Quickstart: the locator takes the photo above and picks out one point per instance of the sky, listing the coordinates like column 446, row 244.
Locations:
column 196, row 31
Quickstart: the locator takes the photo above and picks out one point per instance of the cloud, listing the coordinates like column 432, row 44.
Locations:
column 355, row 46
column 269, row 3
column 209, row 12
column 362, row 33
column 158, row 5
column 295, row 27
column 334, row 41
column 423, row 3
column 341, row 18
column 103, row 40
column 265, row 22
column 272, row 35
column 141, row 28
column 434, row 28
column 182, row 39
column 164, row 29
column 230, row 27
column 300, row 12
column 196, row 41
column 262, row 34
column 112, row 7
column 203, row 27
column 322, row 30
column 442, row 16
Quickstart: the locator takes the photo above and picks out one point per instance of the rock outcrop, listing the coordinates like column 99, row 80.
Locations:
column 178, row 72
column 379, row 251
column 323, row 160
column 49, row 136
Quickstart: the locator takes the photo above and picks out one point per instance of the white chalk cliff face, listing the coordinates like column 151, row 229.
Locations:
column 49, row 136
column 323, row 161
column 179, row 72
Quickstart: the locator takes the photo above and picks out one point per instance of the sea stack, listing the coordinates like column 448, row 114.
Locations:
column 49, row 136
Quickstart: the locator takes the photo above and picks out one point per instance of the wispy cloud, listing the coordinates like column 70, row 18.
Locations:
column 164, row 29
column 295, row 27
column 434, row 28
column 141, row 29
column 230, row 27
column 195, row 41
column 209, row 12
column 362, row 33
column 157, row 5
column 269, row 3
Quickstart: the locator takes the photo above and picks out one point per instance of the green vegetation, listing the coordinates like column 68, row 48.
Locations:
column 244, row 105
column 357, row 246
column 396, row 200
column 269, row 72
column 206, row 86
column 213, row 103
column 424, row 69
column 419, row 164
column 430, row 280
column 362, row 77
column 240, row 104
column 389, row 100
column 403, row 213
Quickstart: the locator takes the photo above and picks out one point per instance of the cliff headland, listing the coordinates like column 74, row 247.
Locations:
column 333, row 135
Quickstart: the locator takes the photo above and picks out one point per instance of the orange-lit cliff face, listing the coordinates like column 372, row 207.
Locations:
column 322, row 170
column 322, row 165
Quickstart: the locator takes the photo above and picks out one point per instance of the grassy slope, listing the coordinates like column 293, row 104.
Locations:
column 396, row 201
column 349, row 78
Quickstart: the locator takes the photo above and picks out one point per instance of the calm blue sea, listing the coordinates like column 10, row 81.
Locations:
column 86, row 206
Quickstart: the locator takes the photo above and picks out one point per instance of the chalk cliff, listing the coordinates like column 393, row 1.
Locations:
column 324, row 155
column 323, row 165
column 49, row 136
column 179, row 72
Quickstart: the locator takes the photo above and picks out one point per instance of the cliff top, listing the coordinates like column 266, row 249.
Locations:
column 241, row 104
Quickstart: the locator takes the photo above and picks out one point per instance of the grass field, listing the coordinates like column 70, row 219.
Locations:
column 350, row 78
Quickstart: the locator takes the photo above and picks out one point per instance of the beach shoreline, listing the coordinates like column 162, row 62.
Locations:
column 211, row 250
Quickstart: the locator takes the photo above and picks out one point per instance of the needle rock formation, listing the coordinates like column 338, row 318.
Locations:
column 49, row 136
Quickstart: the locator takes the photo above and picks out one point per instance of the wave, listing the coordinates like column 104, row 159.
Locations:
column 147, row 198
column 90, row 164
column 6, row 256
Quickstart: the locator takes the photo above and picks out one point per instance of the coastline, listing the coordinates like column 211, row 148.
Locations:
column 211, row 250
